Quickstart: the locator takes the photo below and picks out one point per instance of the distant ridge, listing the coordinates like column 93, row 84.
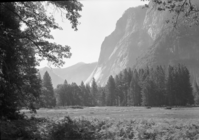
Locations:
column 75, row 73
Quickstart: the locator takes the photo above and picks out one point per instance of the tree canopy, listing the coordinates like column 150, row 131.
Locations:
column 37, row 24
column 150, row 86
column 20, row 85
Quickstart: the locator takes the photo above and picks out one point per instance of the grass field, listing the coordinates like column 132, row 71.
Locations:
column 118, row 123
column 120, row 113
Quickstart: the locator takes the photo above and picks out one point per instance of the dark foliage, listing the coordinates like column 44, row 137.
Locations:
column 47, row 97
column 111, row 90
column 19, row 82
column 72, row 130
column 147, row 87
column 20, row 85
column 24, row 129
column 152, row 87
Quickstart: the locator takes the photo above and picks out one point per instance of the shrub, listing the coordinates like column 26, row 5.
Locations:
column 148, row 107
column 77, row 107
column 95, row 129
column 23, row 129
column 168, row 107
column 71, row 129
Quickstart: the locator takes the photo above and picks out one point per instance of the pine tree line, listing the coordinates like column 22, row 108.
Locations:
column 158, row 86
column 72, row 94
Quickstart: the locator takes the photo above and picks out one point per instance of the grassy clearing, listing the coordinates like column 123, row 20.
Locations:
column 121, row 113
column 110, row 123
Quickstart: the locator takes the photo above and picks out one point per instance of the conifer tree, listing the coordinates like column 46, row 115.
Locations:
column 103, row 98
column 156, row 75
column 125, row 85
column 147, row 92
column 135, row 89
column 119, row 89
column 111, row 99
column 170, row 86
column 179, row 90
column 160, row 82
column 94, row 91
column 62, row 94
column 76, row 94
column 84, row 93
column 89, row 98
column 187, row 87
column 48, row 92
column 196, row 93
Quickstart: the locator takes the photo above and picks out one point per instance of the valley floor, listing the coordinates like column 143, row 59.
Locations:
column 120, row 113
column 106, row 123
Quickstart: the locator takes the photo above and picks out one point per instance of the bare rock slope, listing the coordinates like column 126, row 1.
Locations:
column 142, row 37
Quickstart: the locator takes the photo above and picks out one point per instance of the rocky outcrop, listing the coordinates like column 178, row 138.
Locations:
column 142, row 37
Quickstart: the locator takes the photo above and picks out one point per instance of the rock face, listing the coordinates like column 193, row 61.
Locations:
column 142, row 37
column 76, row 73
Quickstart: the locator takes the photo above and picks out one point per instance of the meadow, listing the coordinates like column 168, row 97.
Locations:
column 120, row 113
column 115, row 123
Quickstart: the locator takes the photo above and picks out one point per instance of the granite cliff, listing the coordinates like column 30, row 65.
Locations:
column 143, row 37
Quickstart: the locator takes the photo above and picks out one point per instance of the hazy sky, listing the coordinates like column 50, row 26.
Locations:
column 98, row 20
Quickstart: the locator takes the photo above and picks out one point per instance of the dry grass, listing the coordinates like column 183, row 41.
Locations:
column 120, row 113
column 120, row 123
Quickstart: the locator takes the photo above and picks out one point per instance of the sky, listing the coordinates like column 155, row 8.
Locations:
column 98, row 20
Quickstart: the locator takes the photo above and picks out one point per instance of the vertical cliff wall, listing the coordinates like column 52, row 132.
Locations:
column 142, row 37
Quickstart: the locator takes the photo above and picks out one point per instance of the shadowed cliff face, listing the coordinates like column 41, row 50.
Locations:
column 142, row 37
